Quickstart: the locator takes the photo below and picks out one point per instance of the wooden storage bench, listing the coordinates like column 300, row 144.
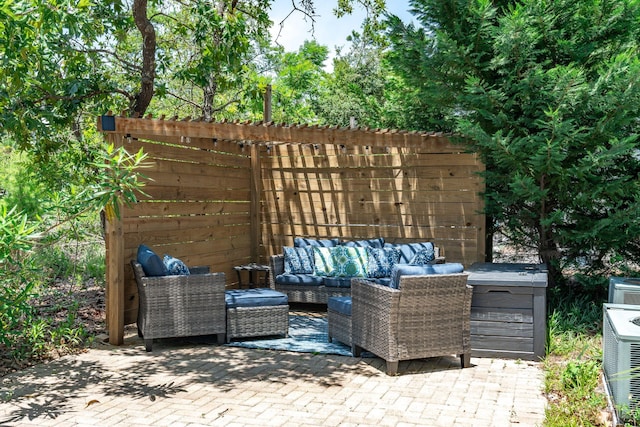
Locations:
column 508, row 310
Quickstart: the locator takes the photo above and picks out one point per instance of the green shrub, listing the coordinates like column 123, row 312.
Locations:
column 581, row 376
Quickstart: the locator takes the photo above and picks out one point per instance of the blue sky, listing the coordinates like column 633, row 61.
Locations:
column 329, row 30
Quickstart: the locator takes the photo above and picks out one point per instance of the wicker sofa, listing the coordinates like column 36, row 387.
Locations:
column 180, row 306
column 311, row 288
column 427, row 316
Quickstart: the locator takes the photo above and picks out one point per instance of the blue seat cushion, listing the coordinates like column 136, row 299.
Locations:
column 384, row 281
column 447, row 268
column 298, row 279
column 340, row 304
column 151, row 262
column 259, row 297
column 337, row 282
column 420, row 270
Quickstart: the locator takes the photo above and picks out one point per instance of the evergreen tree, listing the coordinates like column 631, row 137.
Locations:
column 548, row 93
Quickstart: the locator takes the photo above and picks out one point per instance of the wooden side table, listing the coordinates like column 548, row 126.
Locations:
column 254, row 270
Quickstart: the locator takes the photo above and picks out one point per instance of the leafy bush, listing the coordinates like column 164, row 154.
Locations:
column 17, row 283
column 62, row 241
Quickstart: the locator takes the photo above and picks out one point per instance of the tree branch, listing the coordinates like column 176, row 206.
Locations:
column 52, row 97
column 148, row 74
column 307, row 10
column 128, row 65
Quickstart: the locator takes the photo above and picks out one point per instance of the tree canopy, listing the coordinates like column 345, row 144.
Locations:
column 549, row 93
column 179, row 57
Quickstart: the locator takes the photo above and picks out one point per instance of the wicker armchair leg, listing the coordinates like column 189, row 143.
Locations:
column 220, row 338
column 148, row 344
column 465, row 360
column 392, row 367
column 355, row 350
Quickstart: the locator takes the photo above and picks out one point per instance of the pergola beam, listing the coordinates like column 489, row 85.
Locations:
column 268, row 132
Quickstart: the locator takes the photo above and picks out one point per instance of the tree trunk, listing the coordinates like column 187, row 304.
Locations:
column 488, row 239
column 209, row 93
column 550, row 255
column 148, row 74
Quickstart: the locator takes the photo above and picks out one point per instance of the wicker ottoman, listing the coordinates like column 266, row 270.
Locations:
column 339, row 319
column 256, row 312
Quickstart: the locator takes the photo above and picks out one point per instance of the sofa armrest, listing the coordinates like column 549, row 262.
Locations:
column 199, row 269
column 276, row 262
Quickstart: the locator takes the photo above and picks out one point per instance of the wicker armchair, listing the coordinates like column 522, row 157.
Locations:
column 180, row 306
column 427, row 316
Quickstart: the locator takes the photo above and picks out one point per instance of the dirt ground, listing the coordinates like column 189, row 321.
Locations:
column 56, row 304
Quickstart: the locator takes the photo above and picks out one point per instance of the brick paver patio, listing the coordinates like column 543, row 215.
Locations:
column 200, row 384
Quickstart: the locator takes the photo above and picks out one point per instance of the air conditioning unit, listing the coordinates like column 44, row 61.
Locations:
column 621, row 355
column 624, row 290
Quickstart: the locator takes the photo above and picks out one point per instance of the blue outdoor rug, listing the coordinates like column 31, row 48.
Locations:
column 306, row 335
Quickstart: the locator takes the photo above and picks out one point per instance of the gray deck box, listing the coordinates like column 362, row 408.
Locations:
column 508, row 310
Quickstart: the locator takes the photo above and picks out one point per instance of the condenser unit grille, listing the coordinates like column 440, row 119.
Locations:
column 631, row 297
column 634, row 381
column 621, row 355
column 610, row 344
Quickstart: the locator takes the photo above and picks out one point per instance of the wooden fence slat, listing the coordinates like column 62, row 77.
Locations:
column 156, row 150
column 157, row 192
column 338, row 160
column 176, row 207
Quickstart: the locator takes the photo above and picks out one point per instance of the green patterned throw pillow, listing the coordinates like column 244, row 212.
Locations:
column 323, row 262
column 349, row 261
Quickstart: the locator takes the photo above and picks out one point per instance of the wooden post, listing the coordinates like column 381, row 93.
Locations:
column 115, row 280
column 256, row 189
column 256, row 184
column 114, row 244
column 266, row 112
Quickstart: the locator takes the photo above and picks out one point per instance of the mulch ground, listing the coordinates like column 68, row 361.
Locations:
column 56, row 303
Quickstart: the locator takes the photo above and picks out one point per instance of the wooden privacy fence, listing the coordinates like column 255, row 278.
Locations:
column 223, row 194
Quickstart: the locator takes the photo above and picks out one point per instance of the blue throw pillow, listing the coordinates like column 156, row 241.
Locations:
column 151, row 263
column 175, row 267
column 381, row 261
column 298, row 260
column 409, row 250
column 423, row 257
